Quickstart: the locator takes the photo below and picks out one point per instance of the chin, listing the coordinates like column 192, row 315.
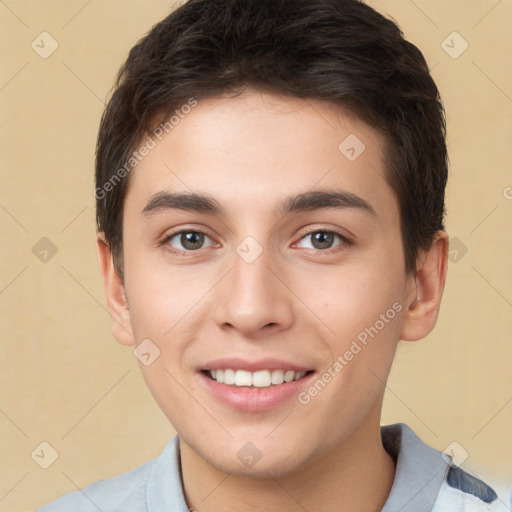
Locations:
column 248, row 461
column 261, row 470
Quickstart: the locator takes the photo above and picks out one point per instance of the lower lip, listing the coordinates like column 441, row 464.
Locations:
column 254, row 399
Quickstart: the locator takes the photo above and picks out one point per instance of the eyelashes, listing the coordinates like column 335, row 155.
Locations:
column 190, row 241
column 325, row 240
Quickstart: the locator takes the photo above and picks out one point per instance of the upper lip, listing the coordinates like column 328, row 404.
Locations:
column 253, row 366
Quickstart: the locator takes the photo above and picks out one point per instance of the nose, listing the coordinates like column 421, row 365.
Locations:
column 252, row 300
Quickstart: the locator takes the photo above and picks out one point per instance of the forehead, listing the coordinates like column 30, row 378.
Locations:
column 256, row 149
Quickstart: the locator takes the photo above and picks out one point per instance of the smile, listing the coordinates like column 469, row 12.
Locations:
column 258, row 379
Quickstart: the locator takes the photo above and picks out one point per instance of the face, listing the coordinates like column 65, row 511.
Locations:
column 264, row 262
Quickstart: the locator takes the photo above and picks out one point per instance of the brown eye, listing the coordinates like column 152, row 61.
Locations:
column 189, row 240
column 321, row 240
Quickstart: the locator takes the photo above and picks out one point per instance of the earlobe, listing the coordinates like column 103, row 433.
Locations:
column 429, row 280
column 115, row 294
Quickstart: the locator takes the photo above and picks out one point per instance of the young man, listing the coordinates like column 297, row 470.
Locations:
column 270, row 195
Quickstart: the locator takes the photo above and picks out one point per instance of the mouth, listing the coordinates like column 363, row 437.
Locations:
column 257, row 379
column 252, row 387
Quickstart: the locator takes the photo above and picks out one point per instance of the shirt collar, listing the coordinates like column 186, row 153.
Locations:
column 420, row 472
column 164, row 487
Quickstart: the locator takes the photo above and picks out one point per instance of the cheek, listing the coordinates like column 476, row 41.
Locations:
column 168, row 305
column 160, row 295
column 349, row 299
column 364, row 321
column 362, row 310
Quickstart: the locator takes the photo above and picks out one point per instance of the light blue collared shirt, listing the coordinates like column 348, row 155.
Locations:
column 424, row 482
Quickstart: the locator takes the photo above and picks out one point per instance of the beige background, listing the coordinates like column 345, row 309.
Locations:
column 64, row 380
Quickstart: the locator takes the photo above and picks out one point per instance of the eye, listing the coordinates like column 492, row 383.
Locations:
column 189, row 240
column 321, row 240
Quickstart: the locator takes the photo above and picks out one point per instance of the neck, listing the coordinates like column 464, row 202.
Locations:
column 356, row 475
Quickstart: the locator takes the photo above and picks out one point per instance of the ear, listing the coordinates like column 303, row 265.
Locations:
column 115, row 294
column 428, row 286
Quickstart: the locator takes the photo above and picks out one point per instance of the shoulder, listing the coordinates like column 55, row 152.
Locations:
column 462, row 490
column 427, row 480
column 106, row 495
column 127, row 491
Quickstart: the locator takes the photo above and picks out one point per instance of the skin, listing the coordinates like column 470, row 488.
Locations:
column 295, row 302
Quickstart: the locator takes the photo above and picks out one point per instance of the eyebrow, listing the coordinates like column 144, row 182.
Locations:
column 307, row 201
column 189, row 201
column 318, row 199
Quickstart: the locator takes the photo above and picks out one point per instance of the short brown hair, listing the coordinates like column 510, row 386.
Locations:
column 340, row 51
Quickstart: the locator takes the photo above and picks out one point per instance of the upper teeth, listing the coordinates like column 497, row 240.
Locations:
column 259, row 379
